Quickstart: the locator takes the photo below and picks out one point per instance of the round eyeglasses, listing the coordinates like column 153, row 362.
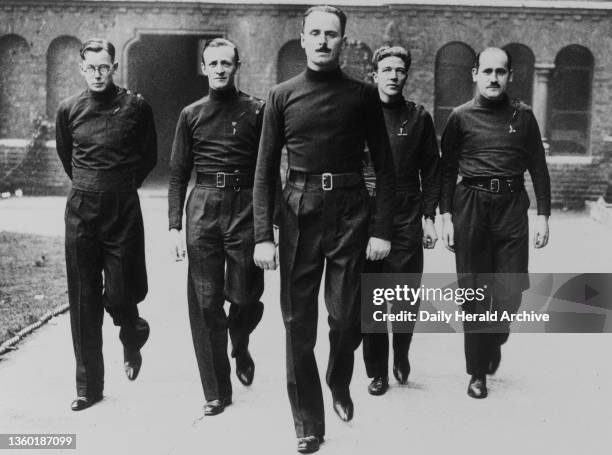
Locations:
column 90, row 70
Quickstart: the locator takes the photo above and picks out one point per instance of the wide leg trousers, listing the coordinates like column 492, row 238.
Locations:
column 491, row 236
column 220, row 244
column 406, row 256
column 320, row 230
column 105, row 261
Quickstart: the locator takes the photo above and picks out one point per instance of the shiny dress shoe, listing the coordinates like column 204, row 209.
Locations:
column 132, row 361
column 343, row 406
column 477, row 388
column 379, row 385
column 494, row 359
column 401, row 370
column 214, row 407
column 309, row 444
column 133, row 336
column 81, row 403
column 245, row 368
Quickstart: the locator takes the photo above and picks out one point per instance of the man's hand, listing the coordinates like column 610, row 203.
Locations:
column 265, row 255
column 177, row 247
column 377, row 249
column 448, row 232
column 430, row 236
column 540, row 237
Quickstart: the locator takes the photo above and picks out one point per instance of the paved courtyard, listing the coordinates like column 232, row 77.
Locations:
column 552, row 393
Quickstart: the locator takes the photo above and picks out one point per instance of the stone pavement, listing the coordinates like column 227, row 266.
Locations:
column 552, row 393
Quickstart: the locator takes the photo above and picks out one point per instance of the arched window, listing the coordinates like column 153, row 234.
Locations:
column 291, row 61
column 523, row 62
column 63, row 79
column 14, row 100
column 453, row 80
column 570, row 101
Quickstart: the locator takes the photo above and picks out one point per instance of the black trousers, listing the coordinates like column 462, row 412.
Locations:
column 220, row 244
column 491, row 236
column 320, row 229
column 105, row 263
column 406, row 256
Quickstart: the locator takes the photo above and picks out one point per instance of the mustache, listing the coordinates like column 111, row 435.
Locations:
column 324, row 48
column 494, row 85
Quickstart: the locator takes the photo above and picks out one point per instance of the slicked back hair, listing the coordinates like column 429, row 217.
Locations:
column 97, row 45
column 222, row 42
column 327, row 9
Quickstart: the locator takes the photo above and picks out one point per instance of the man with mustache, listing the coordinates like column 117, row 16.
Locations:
column 417, row 175
column 323, row 117
column 106, row 140
column 219, row 136
column 490, row 142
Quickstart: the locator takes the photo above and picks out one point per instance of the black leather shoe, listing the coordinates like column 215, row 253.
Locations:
column 379, row 385
column 477, row 388
column 245, row 368
column 343, row 406
column 132, row 361
column 81, row 403
column 134, row 336
column 214, row 407
column 401, row 370
column 494, row 359
column 309, row 444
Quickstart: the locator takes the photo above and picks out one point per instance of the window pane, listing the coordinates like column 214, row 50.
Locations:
column 523, row 62
column 570, row 101
column 568, row 136
column 572, row 87
column 453, row 80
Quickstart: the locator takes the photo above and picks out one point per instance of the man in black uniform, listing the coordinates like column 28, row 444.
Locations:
column 323, row 117
column 107, row 144
column 490, row 142
column 219, row 135
column 417, row 175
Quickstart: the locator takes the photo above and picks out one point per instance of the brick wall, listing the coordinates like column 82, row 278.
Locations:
column 33, row 170
column 261, row 30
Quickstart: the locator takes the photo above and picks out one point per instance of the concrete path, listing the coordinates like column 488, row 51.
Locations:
column 552, row 394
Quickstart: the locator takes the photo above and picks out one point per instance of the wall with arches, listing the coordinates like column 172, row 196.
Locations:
column 556, row 52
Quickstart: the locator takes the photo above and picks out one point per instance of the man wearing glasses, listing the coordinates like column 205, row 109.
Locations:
column 218, row 135
column 107, row 144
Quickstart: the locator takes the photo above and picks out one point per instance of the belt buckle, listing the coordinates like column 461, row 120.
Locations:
column 327, row 181
column 220, row 179
column 494, row 185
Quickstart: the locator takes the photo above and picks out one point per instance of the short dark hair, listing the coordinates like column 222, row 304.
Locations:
column 476, row 64
column 221, row 42
column 97, row 45
column 327, row 9
column 392, row 51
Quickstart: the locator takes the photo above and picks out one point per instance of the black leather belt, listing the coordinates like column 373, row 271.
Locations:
column 229, row 180
column 495, row 184
column 326, row 181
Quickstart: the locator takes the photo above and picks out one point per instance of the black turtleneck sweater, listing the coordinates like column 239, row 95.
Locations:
column 218, row 133
column 415, row 152
column 111, row 130
column 493, row 138
column 324, row 119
